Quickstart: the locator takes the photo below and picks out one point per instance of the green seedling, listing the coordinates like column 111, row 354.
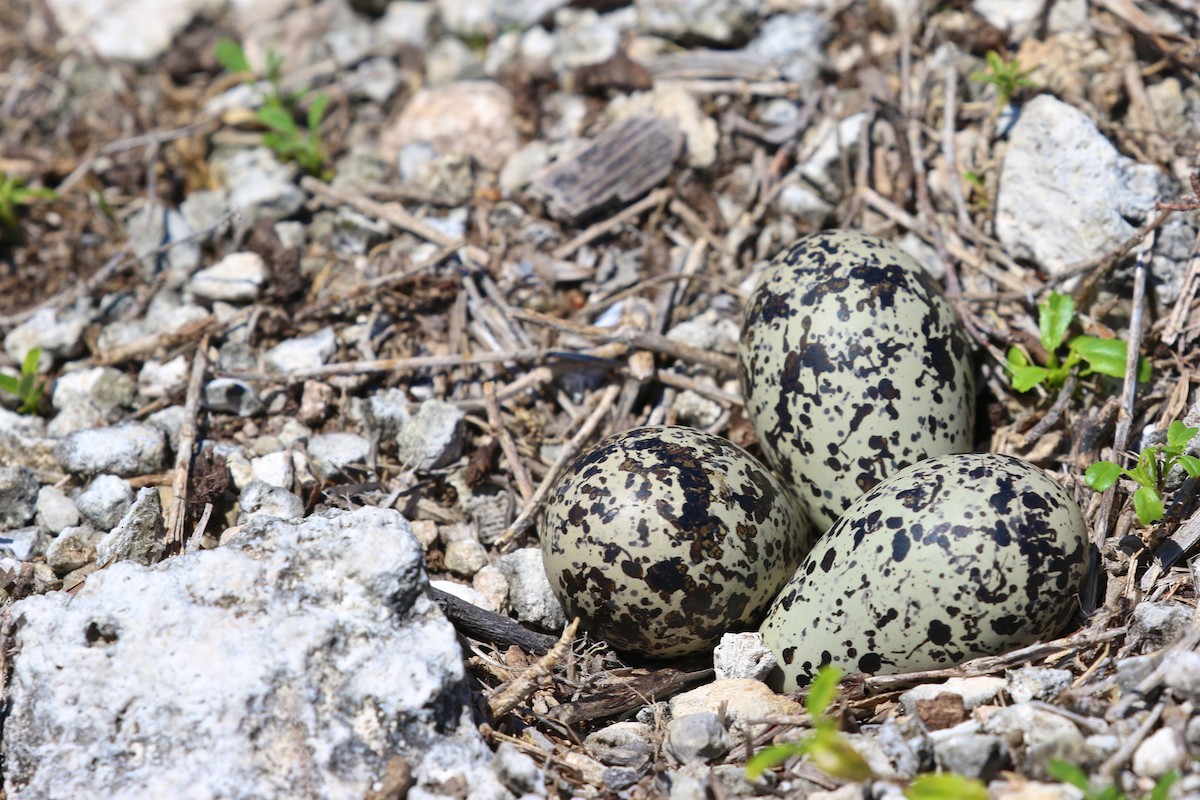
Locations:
column 1007, row 77
column 1074, row 776
column 27, row 387
column 278, row 110
column 825, row 747
column 1153, row 466
column 1090, row 353
column 945, row 786
column 15, row 194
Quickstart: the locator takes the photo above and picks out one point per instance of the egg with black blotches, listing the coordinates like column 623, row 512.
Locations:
column 955, row 557
column 663, row 538
column 853, row 366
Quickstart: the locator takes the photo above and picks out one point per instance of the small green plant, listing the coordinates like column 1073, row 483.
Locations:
column 278, row 110
column 1073, row 775
column 13, row 194
column 829, row 751
column 1153, row 466
column 1007, row 77
column 27, row 387
column 1105, row 356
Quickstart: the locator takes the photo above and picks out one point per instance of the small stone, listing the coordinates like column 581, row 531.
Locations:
column 333, row 454
column 307, row 352
column 157, row 380
column 138, row 536
column 1023, row 789
column 141, row 30
column 261, row 499
column 170, row 422
column 74, row 419
column 203, row 209
column 907, row 745
column 518, row 771
column 1157, row 624
column 105, row 501
column 231, row 396
column 1161, row 753
column 697, row 737
column 258, row 184
column 18, row 496
column 522, row 166
column 449, row 60
column 154, row 226
column 274, row 469
column 1036, row 737
column 315, row 401
column 464, row 593
column 475, row 118
column 108, row 390
column 351, row 233
column 236, row 278
column 376, row 80
column 723, row 22
column 627, row 743
column 1181, row 674
column 681, row 108
column 975, row 755
column 465, row 557
column 55, row 510
column 529, row 592
column 1038, row 683
column 1132, row 670
column 491, row 584
column 23, row 544
column 386, row 412
column 57, row 337
column 743, row 655
column 125, row 450
column 433, row 437
column 72, row 548
column 973, row 691
column 618, row 778
column 794, row 44
column 745, row 701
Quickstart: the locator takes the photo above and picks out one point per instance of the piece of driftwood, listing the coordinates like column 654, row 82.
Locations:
column 487, row 626
column 627, row 159
column 711, row 65
column 630, row 689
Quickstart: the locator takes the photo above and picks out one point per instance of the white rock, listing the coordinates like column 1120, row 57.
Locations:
column 795, row 44
column 464, row 593
column 260, row 499
column 719, row 22
column 274, row 469
column 154, row 226
column 583, row 37
column 306, row 352
column 157, row 380
column 1038, row 683
column 23, row 544
column 72, row 549
column 433, row 437
column 1159, row 754
column 745, row 702
column 465, row 557
column 743, row 655
column 108, row 389
column 105, row 501
column 529, row 592
column 1036, row 737
column 1016, row 17
column 131, row 30
column 138, row 536
column 475, row 118
column 18, row 496
column 1066, row 194
column 405, row 22
column 1181, row 674
column 124, row 450
column 697, row 737
column 491, row 584
column 55, row 510
column 334, row 453
column 236, row 278
column 57, row 336
column 259, row 702
column 23, row 442
column 231, row 396
column 974, row 692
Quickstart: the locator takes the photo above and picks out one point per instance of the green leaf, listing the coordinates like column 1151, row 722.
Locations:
column 822, row 692
column 1178, row 435
column 1190, row 464
column 1102, row 475
column 1143, row 375
column 828, row 751
column 1054, row 319
column 945, row 786
column 1148, row 505
column 29, row 365
column 995, row 62
column 1163, row 787
column 10, row 384
column 231, row 56
column 1069, row 773
column 316, row 112
column 1106, row 356
column 1017, row 357
column 278, row 119
column 1025, row 378
column 769, row 758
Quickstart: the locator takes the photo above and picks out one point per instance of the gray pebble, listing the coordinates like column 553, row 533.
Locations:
column 1157, row 624
column 1038, row 683
column 23, row 544
column 18, row 496
column 307, row 352
column 128, row 449
column 104, row 502
column 72, row 549
column 433, row 437
column 139, row 535
column 232, row 396
column 529, row 592
column 334, row 453
column 975, row 755
column 697, row 737
column 518, row 771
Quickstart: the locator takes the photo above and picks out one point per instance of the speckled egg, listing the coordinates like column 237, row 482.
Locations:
column 853, row 366
column 955, row 557
column 663, row 538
